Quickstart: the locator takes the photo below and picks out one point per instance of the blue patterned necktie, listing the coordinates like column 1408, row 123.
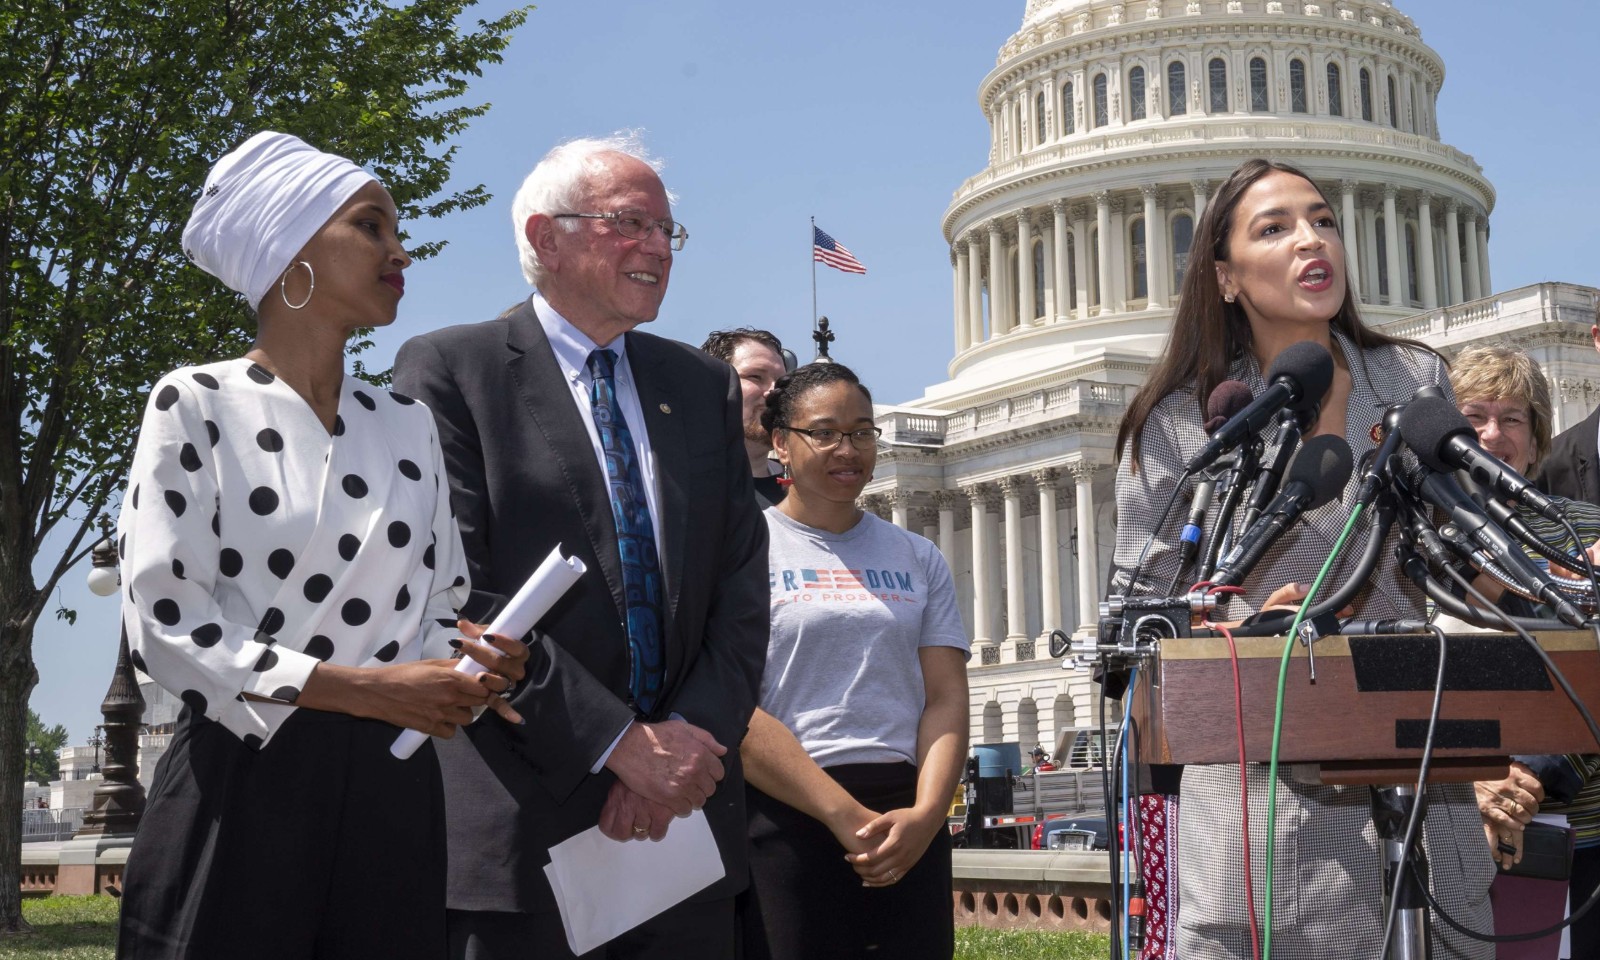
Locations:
column 636, row 539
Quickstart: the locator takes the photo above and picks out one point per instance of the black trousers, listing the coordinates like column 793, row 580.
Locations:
column 1585, row 879
column 701, row 931
column 806, row 903
column 321, row 845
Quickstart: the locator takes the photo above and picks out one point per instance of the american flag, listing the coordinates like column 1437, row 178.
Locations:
column 825, row 249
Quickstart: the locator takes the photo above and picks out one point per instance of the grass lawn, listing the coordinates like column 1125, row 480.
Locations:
column 85, row 928
column 65, row 928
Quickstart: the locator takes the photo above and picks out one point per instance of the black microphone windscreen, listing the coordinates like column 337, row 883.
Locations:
column 1227, row 399
column 1322, row 463
column 1427, row 424
column 1310, row 366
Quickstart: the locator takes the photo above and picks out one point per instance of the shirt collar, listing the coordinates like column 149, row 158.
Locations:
column 572, row 346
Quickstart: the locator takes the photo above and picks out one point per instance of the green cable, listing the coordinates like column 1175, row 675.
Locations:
column 1277, row 723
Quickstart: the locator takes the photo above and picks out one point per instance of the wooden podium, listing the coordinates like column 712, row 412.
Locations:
column 1365, row 718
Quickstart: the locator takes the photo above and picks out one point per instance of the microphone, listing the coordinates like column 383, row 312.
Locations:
column 1444, row 440
column 1315, row 476
column 1226, row 400
column 1442, row 490
column 1298, row 379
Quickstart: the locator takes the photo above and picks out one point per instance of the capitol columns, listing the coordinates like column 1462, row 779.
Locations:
column 1349, row 230
column 1118, row 248
column 928, row 523
column 958, row 260
column 1483, row 256
column 1049, row 553
column 1425, row 264
column 1027, row 310
column 1088, row 575
column 1157, row 269
column 982, row 557
column 1016, row 588
column 1391, row 239
column 1369, row 249
column 1201, row 191
column 1452, row 250
column 1063, row 249
column 1474, row 277
column 1102, row 206
column 974, row 287
column 999, row 319
column 1080, row 258
column 946, row 501
column 899, row 507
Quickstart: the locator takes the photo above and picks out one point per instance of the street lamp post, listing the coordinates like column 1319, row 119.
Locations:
column 119, row 799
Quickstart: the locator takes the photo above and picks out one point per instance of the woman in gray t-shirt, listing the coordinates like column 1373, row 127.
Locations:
column 852, row 758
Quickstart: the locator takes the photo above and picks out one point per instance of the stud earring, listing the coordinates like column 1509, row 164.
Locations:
column 1227, row 298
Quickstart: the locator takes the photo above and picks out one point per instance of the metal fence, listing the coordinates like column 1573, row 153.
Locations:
column 44, row 825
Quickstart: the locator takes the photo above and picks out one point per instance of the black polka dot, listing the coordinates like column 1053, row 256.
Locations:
column 206, row 380
column 427, row 557
column 320, row 647
column 265, row 639
column 267, row 660
column 260, row 374
column 286, row 693
column 194, row 700
column 176, row 502
column 137, row 660
column 354, row 486
column 318, row 587
column 177, row 568
column 252, row 741
column 230, row 562
column 206, row 635
column 387, row 651
column 263, row 500
column 399, row 534
column 459, row 582
column 410, row 470
column 355, row 612
column 363, row 399
column 338, row 425
column 216, row 523
column 280, row 562
column 402, row 399
column 446, row 623
column 167, row 397
column 135, row 496
column 189, row 458
column 403, row 598
column 167, row 612
column 348, row 545
column 122, row 547
column 272, row 622
column 270, row 440
column 213, row 433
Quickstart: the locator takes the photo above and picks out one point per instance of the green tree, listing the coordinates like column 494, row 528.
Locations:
column 43, row 765
column 112, row 113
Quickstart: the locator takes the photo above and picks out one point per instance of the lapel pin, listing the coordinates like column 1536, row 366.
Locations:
column 665, row 408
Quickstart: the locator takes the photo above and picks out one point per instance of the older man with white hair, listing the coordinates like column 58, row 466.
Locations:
column 563, row 424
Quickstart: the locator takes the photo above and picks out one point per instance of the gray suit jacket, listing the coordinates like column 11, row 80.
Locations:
column 524, row 477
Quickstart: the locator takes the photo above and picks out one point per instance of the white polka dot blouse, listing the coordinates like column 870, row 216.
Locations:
column 255, row 545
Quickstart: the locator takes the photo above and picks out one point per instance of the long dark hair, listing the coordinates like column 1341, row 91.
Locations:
column 1208, row 335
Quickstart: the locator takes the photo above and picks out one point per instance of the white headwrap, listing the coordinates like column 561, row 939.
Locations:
column 261, row 204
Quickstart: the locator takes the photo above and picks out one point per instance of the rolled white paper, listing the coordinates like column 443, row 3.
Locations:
column 538, row 594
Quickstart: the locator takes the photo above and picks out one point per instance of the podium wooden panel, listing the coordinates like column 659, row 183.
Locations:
column 1364, row 718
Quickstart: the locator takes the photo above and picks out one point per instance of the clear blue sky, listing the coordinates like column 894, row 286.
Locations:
column 865, row 116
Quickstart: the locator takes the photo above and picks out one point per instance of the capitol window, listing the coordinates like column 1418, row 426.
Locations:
column 1140, row 262
column 1136, row 109
column 1182, row 239
column 1102, row 111
column 1068, row 112
column 1411, row 264
column 1297, row 86
column 1258, row 85
column 1219, row 85
column 1366, row 94
column 1036, row 309
column 1039, row 135
column 1335, row 91
column 1177, row 95
column 1394, row 106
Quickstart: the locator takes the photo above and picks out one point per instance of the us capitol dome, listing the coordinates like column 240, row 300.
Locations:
column 1111, row 122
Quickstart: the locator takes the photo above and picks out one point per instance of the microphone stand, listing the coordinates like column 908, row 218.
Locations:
column 1392, row 809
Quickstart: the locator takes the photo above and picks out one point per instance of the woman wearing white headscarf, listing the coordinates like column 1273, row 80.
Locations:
column 293, row 572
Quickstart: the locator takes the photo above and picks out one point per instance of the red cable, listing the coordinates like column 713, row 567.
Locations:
column 1244, row 786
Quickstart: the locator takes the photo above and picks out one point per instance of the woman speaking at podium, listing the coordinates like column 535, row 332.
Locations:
column 1267, row 271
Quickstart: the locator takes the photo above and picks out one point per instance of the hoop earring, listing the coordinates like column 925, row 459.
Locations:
column 283, row 285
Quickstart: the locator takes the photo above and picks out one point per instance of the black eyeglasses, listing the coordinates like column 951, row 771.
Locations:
column 636, row 225
column 826, row 438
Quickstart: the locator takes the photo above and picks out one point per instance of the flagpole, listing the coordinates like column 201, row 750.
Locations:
column 813, row 252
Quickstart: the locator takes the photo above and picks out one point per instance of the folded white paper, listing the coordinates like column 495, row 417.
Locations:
column 606, row 887
column 538, row 594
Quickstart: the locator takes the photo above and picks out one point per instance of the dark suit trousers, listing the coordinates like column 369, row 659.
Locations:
column 703, row 931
